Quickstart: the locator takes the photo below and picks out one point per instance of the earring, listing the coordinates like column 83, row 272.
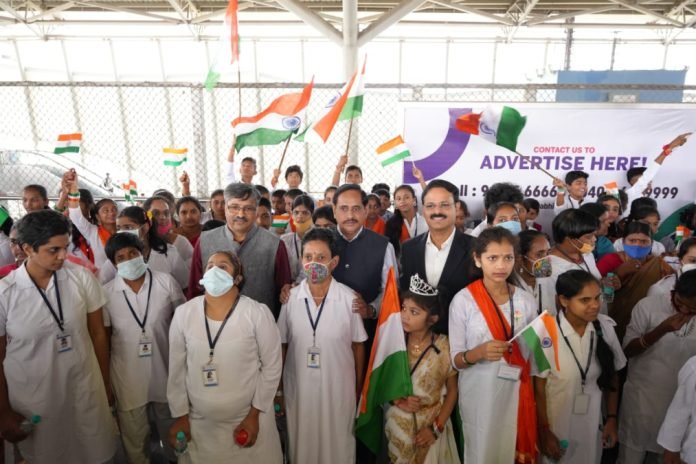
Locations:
column 478, row 265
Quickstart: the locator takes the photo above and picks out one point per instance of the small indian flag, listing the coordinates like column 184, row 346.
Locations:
column 281, row 221
column 499, row 125
column 612, row 188
column 540, row 341
column 174, row 156
column 130, row 190
column 68, row 143
column 393, row 151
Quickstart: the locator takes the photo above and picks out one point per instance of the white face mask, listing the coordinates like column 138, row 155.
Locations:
column 217, row 281
column 135, row 232
column 688, row 267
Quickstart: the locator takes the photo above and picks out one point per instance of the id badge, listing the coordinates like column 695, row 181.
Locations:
column 210, row 376
column 581, row 404
column 63, row 342
column 145, row 348
column 313, row 357
column 508, row 372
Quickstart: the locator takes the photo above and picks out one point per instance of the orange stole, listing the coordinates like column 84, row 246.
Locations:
column 525, row 448
column 104, row 235
column 379, row 226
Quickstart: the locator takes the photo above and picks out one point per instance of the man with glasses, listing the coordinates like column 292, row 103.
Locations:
column 263, row 255
column 443, row 255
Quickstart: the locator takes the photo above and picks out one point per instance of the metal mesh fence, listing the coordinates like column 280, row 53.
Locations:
column 125, row 126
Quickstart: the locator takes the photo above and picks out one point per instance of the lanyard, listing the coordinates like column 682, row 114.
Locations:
column 540, row 304
column 315, row 323
column 57, row 317
column 586, row 266
column 297, row 250
column 583, row 373
column 498, row 312
column 213, row 341
column 147, row 307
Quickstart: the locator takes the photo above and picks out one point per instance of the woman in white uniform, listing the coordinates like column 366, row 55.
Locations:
column 496, row 398
column 6, row 256
column 225, row 364
column 569, row 400
column 139, row 309
column 533, row 265
column 320, row 394
column 54, row 350
column 687, row 260
column 678, row 432
column 659, row 339
column 302, row 210
column 159, row 212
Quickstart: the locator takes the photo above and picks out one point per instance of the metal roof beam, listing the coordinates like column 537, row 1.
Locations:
column 679, row 7
column 388, row 19
column 51, row 12
column 312, row 19
column 571, row 14
column 518, row 12
column 106, row 6
column 18, row 17
column 641, row 9
column 474, row 11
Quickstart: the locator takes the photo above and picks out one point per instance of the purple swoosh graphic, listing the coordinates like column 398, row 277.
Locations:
column 446, row 154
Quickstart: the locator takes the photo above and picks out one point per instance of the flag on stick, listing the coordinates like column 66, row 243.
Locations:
column 388, row 376
column 392, row 151
column 130, row 190
column 174, row 156
column 539, row 340
column 612, row 188
column 281, row 221
column 228, row 51
column 68, row 143
column 501, row 126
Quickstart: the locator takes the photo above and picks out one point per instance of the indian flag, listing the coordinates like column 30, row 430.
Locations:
column 130, row 190
column 612, row 188
column 281, row 221
column 393, row 151
column 228, row 48
column 346, row 104
column 68, row 143
column 499, row 125
column 540, row 340
column 388, row 377
column 174, row 156
column 276, row 123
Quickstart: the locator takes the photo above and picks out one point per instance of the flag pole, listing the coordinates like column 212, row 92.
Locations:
column 285, row 150
column 536, row 165
column 350, row 131
column 239, row 109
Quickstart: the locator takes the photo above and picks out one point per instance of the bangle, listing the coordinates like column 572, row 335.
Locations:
column 560, row 189
column 468, row 363
column 74, row 194
column 644, row 344
column 436, row 425
column 60, row 210
column 666, row 150
column 612, row 416
column 436, row 431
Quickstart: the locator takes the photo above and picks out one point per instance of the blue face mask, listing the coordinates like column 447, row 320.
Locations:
column 217, row 281
column 132, row 269
column 637, row 251
column 513, row 226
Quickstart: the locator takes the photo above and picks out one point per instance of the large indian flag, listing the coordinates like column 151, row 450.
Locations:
column 68, row 143
column 499, row 125
column 539, row 340
column 346, row 104
column 276, row 123
column 388, row 377
column 228, row 46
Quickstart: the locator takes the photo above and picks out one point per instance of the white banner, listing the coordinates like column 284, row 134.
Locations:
column 602, row 140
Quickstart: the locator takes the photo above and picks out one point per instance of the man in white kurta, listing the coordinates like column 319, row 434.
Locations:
column 141, row 380
column 678, row 431
column 249, row 365
column 652, row 377
column 320, row 402
column 66, row 389
column 487, row 403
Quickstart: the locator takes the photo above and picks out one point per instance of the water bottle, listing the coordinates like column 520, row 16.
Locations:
column 181, row 446
column 28, row 425
column 564, row 448
column 607, row 289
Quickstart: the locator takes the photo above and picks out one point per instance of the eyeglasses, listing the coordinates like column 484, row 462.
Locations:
column 234, row 209
column 441, row 205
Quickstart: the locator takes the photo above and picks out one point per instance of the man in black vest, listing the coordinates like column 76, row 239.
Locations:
column 442, row 257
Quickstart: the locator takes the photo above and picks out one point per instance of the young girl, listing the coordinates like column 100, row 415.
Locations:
column 418, row 427
column 495, row 387
column 569, row 401
column 406, row 222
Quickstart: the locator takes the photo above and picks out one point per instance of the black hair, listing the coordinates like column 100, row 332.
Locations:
column 374, row 197
column 532, row 203
column 573, row 223
column 37, row 228
column 266, row 203
column 138, row 215
column 572, row 176
column 330, row 188
column 40, row 189
column 293, row 193
column 211, row 224
column 638, row 214
column 443, row 184
column 188, row 199
column 614, row 231
column 87, row 198
column 684, row 247
column 236, row 264
column 303, row 200
column 280, row 193
column 642, row 202
column 633, row 172
column 167, row 196
column 395, row 223
column 526, row 238
column 493, row 210
column 261, row 189
column 101, row 203
column 382, row 193
column 147, row 205
column 354, row 167
column 294, row 168
column 381, row 186
column 350, row 188
column 249, row 158
column 7, row 223
column 431, row 304
column 606, row 197
column 217, row 192
column 570, row 284
column 686, row 285
column 502, row 191
column 637, row 227
column 686, row 217
column 595, row 209
column 462, row 204
column 322, row 234
column 488, row 236
column 120, row 241
column 240, row 191
column 324, row 212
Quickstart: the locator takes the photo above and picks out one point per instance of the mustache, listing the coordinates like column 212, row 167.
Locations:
column 438, row 216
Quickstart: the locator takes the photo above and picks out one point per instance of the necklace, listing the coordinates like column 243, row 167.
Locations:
column 416, row 348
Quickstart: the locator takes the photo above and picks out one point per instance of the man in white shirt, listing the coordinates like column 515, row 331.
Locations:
column 570, row 194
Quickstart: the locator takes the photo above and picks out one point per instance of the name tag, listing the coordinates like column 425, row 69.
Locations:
column 508, row 372
column 210, row 376
column 145, row 348
column 63, row 342
column 581, row 404
column 314, row 357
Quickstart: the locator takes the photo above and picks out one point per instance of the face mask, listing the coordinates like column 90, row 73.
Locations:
column 316, row 272
column 584, row 248
column 530, row 223
column 541, row 267
column 637, row 251
column 513, row 226
column 304, row 227
column 163, row 230
column 217, row 281
column 135, row 232
column 133, row 268
column 688, row 267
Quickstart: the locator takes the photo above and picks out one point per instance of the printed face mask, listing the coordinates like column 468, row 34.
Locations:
column 133, row 268
column 217, row 281
column 541, row 267
column 316, row 272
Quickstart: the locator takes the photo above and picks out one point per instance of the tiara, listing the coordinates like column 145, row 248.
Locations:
column 421, row 287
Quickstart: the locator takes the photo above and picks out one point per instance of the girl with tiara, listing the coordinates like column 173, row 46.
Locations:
column 418, row 427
